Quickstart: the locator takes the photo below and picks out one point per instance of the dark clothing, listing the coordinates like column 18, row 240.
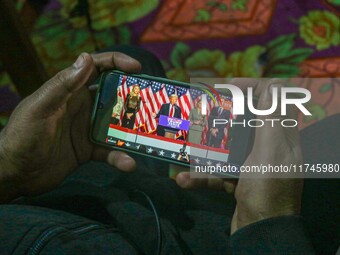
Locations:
column 95, row 211
column 132, row 105
column 165, row 110
column 250, row 239
column 216, row 113
column 114, row 121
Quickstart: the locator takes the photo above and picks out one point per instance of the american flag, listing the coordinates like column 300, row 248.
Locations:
column 154, row 94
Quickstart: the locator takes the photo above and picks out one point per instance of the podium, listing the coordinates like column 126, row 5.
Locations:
column 173, row 125
column 169, row 133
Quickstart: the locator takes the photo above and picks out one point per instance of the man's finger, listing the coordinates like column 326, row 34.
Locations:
column 121, row 160
column 184, row 180
column 258, row 84
column 118, row 159
column 245, row 83
column 53, row 95
column 117, row 60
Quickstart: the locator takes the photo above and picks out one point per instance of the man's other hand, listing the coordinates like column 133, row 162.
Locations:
column 261, row 197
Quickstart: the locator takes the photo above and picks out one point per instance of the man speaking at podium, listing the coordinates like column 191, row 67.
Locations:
column 171, row 110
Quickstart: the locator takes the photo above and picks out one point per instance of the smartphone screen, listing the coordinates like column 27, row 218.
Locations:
column 168, row 120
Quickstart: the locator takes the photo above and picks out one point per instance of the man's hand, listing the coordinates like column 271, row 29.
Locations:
column 129, row 115
column 47, row 134
column 214, row 131
column 262, row 197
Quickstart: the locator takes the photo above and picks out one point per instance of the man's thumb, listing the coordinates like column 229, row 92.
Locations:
column 56, row 92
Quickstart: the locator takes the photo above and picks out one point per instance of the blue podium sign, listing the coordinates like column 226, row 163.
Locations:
column 170, row 122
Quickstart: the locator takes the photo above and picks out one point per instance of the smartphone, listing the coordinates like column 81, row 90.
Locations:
column 181, row 123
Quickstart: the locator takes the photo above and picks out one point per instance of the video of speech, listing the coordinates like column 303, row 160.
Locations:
column 169, row 121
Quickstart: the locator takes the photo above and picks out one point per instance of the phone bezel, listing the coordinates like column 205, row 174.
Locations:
column 241, row 146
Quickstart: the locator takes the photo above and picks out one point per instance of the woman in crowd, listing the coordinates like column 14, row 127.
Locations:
column 131, row 107
column 197, row 122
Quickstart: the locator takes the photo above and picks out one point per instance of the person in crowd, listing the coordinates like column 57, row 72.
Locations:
column 131, row 107
column 216, row 130
column 117, row 109
column 170, row 109
column 197, row 123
